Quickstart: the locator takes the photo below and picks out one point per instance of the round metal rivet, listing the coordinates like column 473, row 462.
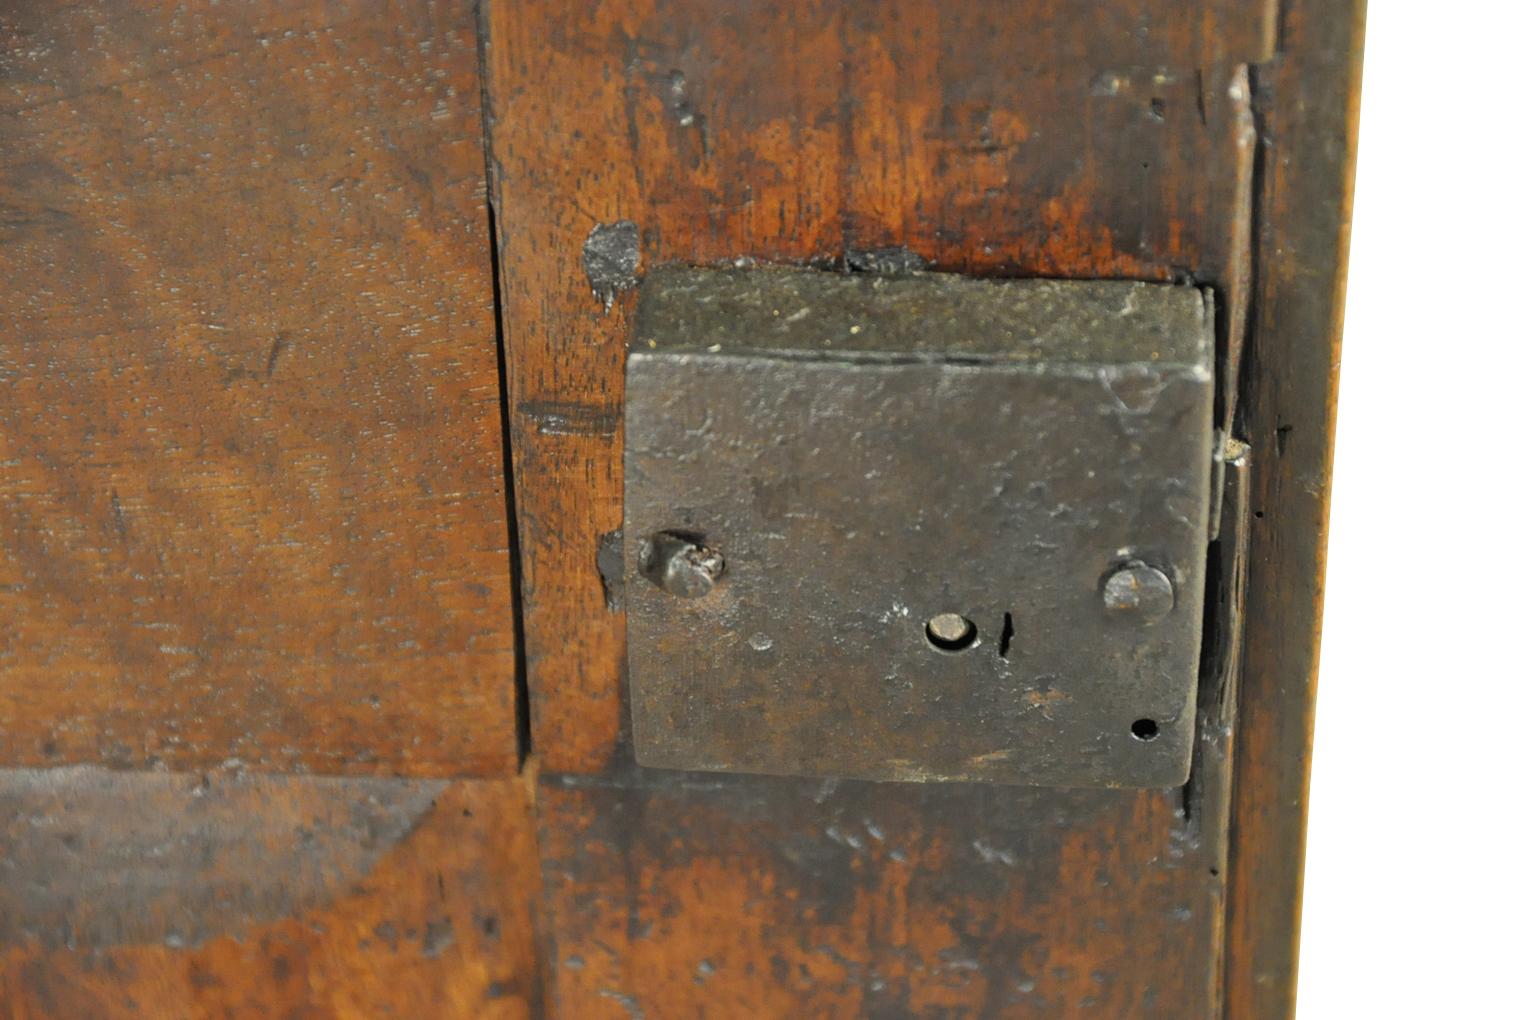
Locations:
column 1138, row 591
column 951, row 632
column 680, row 565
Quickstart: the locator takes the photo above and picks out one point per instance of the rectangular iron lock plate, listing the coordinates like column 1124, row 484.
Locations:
column 917, row 528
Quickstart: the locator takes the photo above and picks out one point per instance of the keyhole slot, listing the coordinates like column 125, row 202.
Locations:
column 1005, row 639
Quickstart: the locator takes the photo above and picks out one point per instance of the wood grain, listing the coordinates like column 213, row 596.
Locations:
column 674, row 896
column 751, row 896
column 1309, row 106
column 302, row 898
column 1034, row 140
column 1107, row 140
column 251, row 504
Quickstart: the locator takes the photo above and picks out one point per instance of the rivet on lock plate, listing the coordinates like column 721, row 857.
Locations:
column 917, row 528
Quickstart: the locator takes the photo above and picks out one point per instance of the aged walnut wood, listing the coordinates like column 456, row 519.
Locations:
column 251, row 503
column 1308, row 100
column 252, row 510
column 1039, row 140
column 678, row 897
column 143, row 895
column 1048, row 139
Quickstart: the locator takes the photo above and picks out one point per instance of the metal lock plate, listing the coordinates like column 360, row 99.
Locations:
column 917, row 528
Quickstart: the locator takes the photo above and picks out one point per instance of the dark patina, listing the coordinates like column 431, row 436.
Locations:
column 965, row 523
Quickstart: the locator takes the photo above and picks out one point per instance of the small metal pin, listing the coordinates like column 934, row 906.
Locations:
column 1138, row 591
column 949, row 626
column 679, row 565
column 951, row 632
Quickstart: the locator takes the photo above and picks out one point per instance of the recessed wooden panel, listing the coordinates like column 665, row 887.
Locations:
column 251, row 503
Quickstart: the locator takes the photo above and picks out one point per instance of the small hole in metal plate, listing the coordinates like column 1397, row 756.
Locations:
column 951, row 632
column 1006, row 637
column 1144, row 729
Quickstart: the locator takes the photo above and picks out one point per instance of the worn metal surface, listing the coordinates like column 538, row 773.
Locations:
column 868, row 453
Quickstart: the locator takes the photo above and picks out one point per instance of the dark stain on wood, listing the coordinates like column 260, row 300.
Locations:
column 610, row 567
column 761, row 897
column 610, row 256
column 93, row 859
column 412, row 899
column 570, row 417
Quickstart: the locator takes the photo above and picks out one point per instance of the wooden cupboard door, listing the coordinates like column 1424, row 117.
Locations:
column 313, row 684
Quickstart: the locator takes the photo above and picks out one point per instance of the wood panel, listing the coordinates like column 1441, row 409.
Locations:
column 1044, row 139
column 970, row 136
column 747, row 896
column 1309, row 105
column 251, row 505
column 129, row 896
column 676, row 896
